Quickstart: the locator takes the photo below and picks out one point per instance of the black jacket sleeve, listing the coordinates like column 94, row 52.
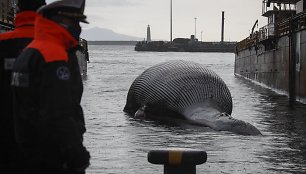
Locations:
column 58, row 108
column 62, row 114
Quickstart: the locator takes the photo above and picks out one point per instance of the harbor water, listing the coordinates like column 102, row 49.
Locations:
column 119, row 144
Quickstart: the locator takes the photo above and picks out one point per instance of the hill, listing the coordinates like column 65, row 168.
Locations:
column 102, row 34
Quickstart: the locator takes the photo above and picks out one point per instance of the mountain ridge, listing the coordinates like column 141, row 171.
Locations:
column 103, row 34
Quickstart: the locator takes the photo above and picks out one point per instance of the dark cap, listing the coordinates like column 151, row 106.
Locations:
column 30, row 5
column 68, row 8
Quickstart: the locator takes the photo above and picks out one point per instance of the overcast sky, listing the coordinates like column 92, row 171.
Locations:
column 131, row 17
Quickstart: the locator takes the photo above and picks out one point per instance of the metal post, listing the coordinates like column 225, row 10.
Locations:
column 222, row 29
column 170, row 20
column 190, row 169
column 195, row 28
column 178, row 161
column 292, row 63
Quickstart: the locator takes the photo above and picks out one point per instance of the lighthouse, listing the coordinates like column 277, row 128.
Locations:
column 148, row 34
column 222, row 28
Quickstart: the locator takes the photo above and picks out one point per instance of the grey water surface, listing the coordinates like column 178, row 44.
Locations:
column 119, row 144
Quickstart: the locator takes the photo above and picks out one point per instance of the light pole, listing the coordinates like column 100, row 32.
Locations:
column 195, row 28
column 170, row 20
column 201, row 36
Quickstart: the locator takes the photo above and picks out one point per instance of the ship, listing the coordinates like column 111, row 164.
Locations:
column 275, row 55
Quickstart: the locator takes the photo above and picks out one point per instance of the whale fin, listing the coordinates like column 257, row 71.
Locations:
column 140, row 113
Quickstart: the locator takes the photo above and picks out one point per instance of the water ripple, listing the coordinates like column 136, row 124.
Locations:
column 119, row 143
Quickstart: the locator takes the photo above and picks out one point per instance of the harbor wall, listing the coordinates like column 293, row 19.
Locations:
column 112, row 42
column 301, row 67
column 271, row 67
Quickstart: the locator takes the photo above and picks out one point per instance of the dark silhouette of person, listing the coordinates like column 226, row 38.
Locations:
column 11, row 45
column 47, row 88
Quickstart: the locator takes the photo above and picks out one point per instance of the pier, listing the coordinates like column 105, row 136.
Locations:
column 186, row 45
column 191, row 44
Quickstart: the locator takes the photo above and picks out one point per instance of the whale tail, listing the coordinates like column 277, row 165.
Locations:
column 210, row 116
column 226, row 122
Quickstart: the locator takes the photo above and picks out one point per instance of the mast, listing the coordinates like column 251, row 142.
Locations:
column 170, row 20
column 195, row 28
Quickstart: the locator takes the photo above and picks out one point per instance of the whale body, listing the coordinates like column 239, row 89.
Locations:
column 185, row 90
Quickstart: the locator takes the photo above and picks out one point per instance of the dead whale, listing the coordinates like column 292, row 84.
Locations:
column 185, row 90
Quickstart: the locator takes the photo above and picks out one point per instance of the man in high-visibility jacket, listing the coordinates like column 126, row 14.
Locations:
column 11, row 44
column 47, row 89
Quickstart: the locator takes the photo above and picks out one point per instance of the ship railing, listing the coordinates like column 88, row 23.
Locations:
column 283, row 27
column 242, row 44
column 271, row 31
column 270, row 5
column 248, row 42
column 266, row 32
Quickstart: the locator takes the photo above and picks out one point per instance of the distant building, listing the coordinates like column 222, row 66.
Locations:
column 7, row 14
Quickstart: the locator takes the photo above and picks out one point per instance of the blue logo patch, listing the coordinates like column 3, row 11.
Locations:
column 63, row 73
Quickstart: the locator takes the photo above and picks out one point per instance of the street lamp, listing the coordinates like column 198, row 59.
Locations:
column 170, row 20
column 195, row 28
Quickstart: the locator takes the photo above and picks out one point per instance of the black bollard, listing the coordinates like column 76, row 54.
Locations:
column 178, row 161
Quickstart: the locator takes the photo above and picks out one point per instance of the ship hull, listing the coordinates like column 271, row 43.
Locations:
column 279, row 63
